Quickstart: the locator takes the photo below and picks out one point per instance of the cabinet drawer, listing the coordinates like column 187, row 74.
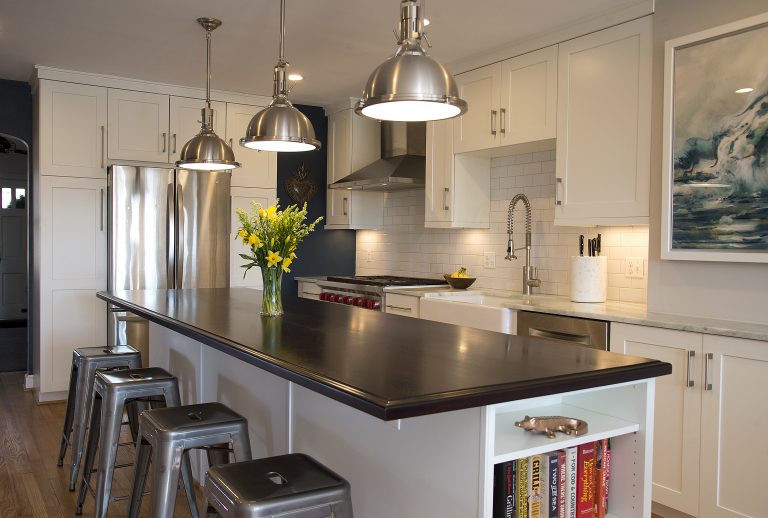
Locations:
column 405, row 305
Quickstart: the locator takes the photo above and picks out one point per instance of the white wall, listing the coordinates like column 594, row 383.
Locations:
column 405, row 247
column 716, row 290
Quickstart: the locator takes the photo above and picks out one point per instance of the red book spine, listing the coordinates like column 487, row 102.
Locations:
column 561, row 468
column 600, row 480
column 585, row 481
column 606, row 476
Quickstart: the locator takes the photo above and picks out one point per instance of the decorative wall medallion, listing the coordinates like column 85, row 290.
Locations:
column 301, row 186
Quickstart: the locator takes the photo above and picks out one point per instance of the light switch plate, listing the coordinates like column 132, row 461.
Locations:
column 489, row 260
column 633, row 268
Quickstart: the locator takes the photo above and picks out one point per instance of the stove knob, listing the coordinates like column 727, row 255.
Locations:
column 356, row 301
column 370, row 303
column 376, row 305
column 347, row 300
column 338, row 298
column 323, row 296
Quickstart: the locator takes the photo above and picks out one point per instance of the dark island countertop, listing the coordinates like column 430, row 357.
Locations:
column 388, row 366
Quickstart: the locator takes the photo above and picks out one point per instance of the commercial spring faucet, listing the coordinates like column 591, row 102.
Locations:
column 530, row 273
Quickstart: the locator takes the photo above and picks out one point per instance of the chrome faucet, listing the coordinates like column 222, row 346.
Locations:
column 530, row 273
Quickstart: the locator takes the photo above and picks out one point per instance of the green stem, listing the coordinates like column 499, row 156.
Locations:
column 272, row 301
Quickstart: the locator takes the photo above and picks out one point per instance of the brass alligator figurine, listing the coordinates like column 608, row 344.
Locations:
column 551, row 424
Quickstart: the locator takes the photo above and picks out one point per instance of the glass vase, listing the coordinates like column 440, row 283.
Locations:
column 272, row 301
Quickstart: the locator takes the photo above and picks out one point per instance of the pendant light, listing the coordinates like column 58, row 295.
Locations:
column 410, row 86
column 206, row 151
column 280, row 126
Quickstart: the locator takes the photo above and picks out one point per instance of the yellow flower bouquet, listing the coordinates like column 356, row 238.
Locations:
column 272, row 236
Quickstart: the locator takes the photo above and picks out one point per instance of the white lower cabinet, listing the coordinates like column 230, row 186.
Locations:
column 707, row 462
column 73, row 245
column 405, row 305
column 241, row 199
column 309, row 290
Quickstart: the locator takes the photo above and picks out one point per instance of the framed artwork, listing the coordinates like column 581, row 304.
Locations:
column 715, row 158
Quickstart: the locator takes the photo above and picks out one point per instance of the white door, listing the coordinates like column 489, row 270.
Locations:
column 73, row 267
column 72, row 124
column 138, row 126
column 603, row 126
column 13, row 251
column 676, row 435
column 241, row 199
column 438, row 191
column 259, row 168
column 529, row 97
column 734, row 414
column 186, row 119
column 479, row 127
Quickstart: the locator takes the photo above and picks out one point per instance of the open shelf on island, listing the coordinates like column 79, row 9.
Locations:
column 512, row 442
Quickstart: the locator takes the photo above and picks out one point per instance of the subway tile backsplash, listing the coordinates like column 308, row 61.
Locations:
column 404, row 247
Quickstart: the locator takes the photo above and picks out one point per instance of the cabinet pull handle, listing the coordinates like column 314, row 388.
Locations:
column 707, row 358
column 502, row 114
column 689, row 366
column 399, row 308
column 102, row 146
column 230, row 143
column 344, row 206
column 174, row 143
column 164, row 144
column 101, row 209
column 445, row 198
column 558, row 182
column 493, row 122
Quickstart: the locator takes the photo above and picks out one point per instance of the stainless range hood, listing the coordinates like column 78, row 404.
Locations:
column 402, row 164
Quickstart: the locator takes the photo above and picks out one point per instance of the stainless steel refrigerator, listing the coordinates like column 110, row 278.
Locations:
column 168, row 228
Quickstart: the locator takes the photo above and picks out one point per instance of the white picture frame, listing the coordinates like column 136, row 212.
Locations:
column 734, row 244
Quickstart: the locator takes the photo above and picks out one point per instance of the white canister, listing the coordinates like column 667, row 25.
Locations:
column 589, row 278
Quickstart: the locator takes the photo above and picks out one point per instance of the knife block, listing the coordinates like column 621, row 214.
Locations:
column 589, row 278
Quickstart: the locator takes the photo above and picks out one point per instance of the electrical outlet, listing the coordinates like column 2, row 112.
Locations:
column 633, row 268
column 489, row 260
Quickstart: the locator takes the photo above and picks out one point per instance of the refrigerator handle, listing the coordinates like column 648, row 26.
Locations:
column 170, row 241
column 179, row 235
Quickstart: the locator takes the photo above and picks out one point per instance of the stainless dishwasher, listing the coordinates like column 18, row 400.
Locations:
column 581, row 331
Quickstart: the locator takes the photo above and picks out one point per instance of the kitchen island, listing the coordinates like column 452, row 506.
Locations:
column 413, row 413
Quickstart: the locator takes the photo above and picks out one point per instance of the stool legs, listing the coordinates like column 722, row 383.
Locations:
column 68, row 416
column 90, row 452
column 84, row 379
column 111, row 420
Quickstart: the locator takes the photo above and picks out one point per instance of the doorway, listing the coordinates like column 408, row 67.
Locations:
column 14, row 176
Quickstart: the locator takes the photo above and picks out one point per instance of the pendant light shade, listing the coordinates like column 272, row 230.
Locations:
column 280, row 126
column 206, row 151
column 410, row 86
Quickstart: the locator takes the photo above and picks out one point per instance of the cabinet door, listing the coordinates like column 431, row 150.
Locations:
column 676, row 435
column 338, row 207
column 365, row 139
column 339, row 145
column 438, row 191
column 73, row 259
column 734, row 416
column 603, row 127
column 241, row 199
column 186, row 119
column 259, row 168
column 479, row 127
column 138, row 126
column 529, row 97
column 72, row 119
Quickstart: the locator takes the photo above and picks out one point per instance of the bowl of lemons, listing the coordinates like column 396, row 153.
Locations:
column 459, row 279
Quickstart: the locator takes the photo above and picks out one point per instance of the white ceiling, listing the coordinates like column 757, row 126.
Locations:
column 335, row 44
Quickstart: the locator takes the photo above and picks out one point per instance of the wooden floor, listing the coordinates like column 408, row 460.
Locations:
column 30, row 482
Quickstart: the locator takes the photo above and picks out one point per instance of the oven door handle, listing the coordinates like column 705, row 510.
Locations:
column 559, row 335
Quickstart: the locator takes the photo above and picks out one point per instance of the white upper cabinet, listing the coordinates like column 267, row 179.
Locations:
column 258, row 168
column 603, row 127
column 353, row 143
column 72, row 122
column 512, row 102
column 186, row 119
column 138, row 126
column 458, row 188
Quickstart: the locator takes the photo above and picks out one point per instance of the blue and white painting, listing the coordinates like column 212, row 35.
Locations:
column 720, row 144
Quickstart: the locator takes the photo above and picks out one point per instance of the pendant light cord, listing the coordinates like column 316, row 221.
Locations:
column 208, row 68
column 281, row 59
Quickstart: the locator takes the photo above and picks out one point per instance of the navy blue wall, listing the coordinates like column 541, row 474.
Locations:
column 323, row 252
column 16, row 109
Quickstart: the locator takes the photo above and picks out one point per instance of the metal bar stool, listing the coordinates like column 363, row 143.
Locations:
column 288, row 486
column 169, row 433
column 85, row 362
column 112, row 390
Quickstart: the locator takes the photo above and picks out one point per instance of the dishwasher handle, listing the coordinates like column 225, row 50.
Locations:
column 559, row 335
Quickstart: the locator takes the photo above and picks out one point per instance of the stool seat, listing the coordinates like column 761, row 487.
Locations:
column 284, row 485
column 191, row 418
column 105, row 352
column 144, row 377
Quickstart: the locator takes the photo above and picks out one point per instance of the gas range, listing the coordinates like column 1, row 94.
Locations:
column 367, row 291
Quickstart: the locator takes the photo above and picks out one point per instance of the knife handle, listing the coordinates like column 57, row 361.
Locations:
column 598, row 244
column 589, row 247
column 581, row 245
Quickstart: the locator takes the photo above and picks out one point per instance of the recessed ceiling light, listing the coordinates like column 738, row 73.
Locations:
column 295, row 77
column 426, row 22
column 745, row 90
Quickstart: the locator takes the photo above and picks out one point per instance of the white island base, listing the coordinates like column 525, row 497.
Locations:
column 439, row 465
